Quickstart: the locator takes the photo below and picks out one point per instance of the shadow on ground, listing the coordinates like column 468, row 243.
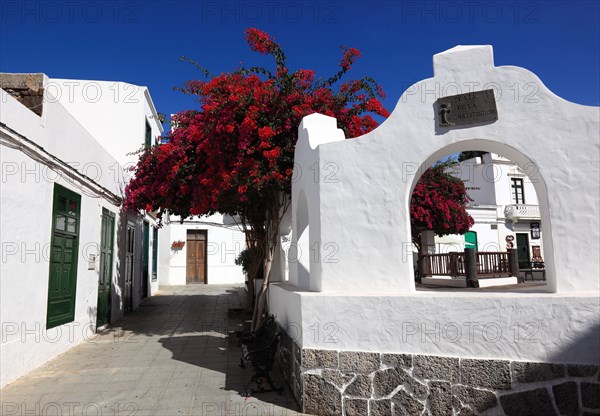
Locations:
column 173, row 355
column 200, row 329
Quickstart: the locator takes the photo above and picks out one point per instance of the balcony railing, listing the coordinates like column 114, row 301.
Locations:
column 516, row 212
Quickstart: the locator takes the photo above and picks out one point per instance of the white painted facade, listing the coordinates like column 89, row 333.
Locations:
column 119, row 116
column 38, row 153
column 224, row 242
column 493, row 206
column 360, row 287
column 115, row 113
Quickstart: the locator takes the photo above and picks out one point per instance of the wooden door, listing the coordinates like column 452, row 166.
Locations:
column 196, row 256
column 523, row 250
column 63, row 257
column 129, row 253
column 106, row 266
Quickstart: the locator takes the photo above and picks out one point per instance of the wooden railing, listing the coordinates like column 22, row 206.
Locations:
column 453, row 264
column 493, row 264
column 450, row 264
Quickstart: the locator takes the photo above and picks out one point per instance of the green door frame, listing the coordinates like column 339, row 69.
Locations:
column 145, row 259
column 103, row 308
column 64, row 247
column 154, row 254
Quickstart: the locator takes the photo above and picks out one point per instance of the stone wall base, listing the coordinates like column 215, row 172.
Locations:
column 332, row 382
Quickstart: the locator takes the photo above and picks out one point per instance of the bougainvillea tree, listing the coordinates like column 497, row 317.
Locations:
column 234, row 154
column 439, row 203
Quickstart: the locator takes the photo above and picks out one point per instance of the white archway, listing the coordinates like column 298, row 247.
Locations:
column 525, row 163
column 365, row 210
column 299, row 253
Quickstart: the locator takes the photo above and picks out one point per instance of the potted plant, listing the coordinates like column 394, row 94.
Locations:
column 177, row 245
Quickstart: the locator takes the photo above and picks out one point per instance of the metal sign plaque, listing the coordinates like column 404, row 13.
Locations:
column 472, row 107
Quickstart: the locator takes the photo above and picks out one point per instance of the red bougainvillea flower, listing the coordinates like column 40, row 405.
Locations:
column 350, row 55
column 236, row 150
column 439, row 203
column 234, row 154
column 260, row 41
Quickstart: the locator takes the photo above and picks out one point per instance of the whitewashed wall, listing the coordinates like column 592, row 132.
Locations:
column 115, row 113
column 523, row 326
column 367, row 289
column 409, row 141
column 224, row 243
column 26, row 223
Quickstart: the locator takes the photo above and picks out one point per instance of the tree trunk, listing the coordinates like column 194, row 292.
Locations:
column 250, row 293
column 275, row 213
column 261, row 304
column 255, row 242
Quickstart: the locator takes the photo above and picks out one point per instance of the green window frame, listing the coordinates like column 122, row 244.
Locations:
column 518, row 191
column 148, row 136
column 64, row 247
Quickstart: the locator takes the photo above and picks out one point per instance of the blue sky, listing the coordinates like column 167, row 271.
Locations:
column 141, row 41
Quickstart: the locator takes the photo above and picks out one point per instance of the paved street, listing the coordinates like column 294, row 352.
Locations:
column 174, row 355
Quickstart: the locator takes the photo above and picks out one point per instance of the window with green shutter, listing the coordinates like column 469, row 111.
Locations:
column 148, row 136
column 63, row 257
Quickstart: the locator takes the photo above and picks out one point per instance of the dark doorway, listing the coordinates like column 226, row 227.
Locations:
column 523, row 250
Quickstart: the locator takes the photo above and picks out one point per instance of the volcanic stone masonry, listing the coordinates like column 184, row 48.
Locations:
column 330, row 382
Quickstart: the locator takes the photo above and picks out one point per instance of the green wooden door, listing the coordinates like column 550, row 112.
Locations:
column 63, row 257
column 471, row 240
column 523, row 250
column 106, row 266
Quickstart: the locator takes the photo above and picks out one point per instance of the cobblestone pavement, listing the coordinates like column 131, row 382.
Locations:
column 174, row 355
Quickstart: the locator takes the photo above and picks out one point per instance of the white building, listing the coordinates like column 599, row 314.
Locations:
column 503, row 204
column 200, row 250
column 357, row 334
column 123, row 118
column 72, row 261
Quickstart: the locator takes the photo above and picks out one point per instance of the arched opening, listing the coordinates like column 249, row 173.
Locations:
column 511, row 236
column 300, row 252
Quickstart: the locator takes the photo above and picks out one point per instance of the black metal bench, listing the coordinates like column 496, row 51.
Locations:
column 258, row 350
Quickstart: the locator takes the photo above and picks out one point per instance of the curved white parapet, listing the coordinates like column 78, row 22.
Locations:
column 316, row 129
